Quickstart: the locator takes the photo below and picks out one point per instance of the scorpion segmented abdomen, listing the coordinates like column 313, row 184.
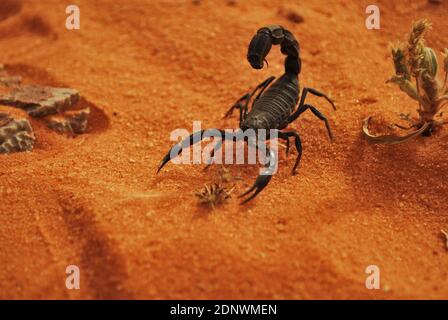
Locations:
column 277, row 102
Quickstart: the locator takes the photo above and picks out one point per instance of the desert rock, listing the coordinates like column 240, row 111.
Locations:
column 39, row 101
column 16, row 135
column 72, row 122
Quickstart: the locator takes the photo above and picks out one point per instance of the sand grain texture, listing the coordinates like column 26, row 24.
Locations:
column 145, row 68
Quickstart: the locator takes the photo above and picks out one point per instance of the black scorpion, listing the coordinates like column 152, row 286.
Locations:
column 272, row 108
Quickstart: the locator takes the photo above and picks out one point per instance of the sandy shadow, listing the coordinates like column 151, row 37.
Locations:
column 9, row 8
column 103, row 266
column 14, row 21
column 390, row 173
column 98, row 121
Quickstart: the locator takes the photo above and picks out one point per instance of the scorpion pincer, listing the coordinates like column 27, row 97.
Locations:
column 273, row 107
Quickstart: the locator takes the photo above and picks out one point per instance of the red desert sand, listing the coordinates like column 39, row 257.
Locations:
column 145, row 68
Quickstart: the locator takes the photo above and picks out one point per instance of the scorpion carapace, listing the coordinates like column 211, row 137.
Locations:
column 273, row 108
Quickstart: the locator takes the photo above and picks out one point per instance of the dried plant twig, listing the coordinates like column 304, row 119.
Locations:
column 416, row 69
column 389, row 139
column 445, row 234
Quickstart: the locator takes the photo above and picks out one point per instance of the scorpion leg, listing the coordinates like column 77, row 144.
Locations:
column 286, row 138
column 287, row 145
column 243, row 107
column 217, row 146
column 263, row 178
column 210, row 159
column 262, row 86
column 298, row 143
column 318, row 114
column 177, row 148
column 320, row 94
column 239, row 105
column 302, row 108
column 190, row 140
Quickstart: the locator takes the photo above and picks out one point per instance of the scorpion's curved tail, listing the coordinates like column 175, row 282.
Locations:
column 263, row 178
column 262, row 42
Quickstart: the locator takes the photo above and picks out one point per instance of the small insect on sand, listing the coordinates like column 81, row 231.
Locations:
column 213, row 195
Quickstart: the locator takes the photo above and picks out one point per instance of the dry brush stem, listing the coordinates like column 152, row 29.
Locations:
column 416, row 69
column 445, row 234
column 389, row 139
column 445, row 68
